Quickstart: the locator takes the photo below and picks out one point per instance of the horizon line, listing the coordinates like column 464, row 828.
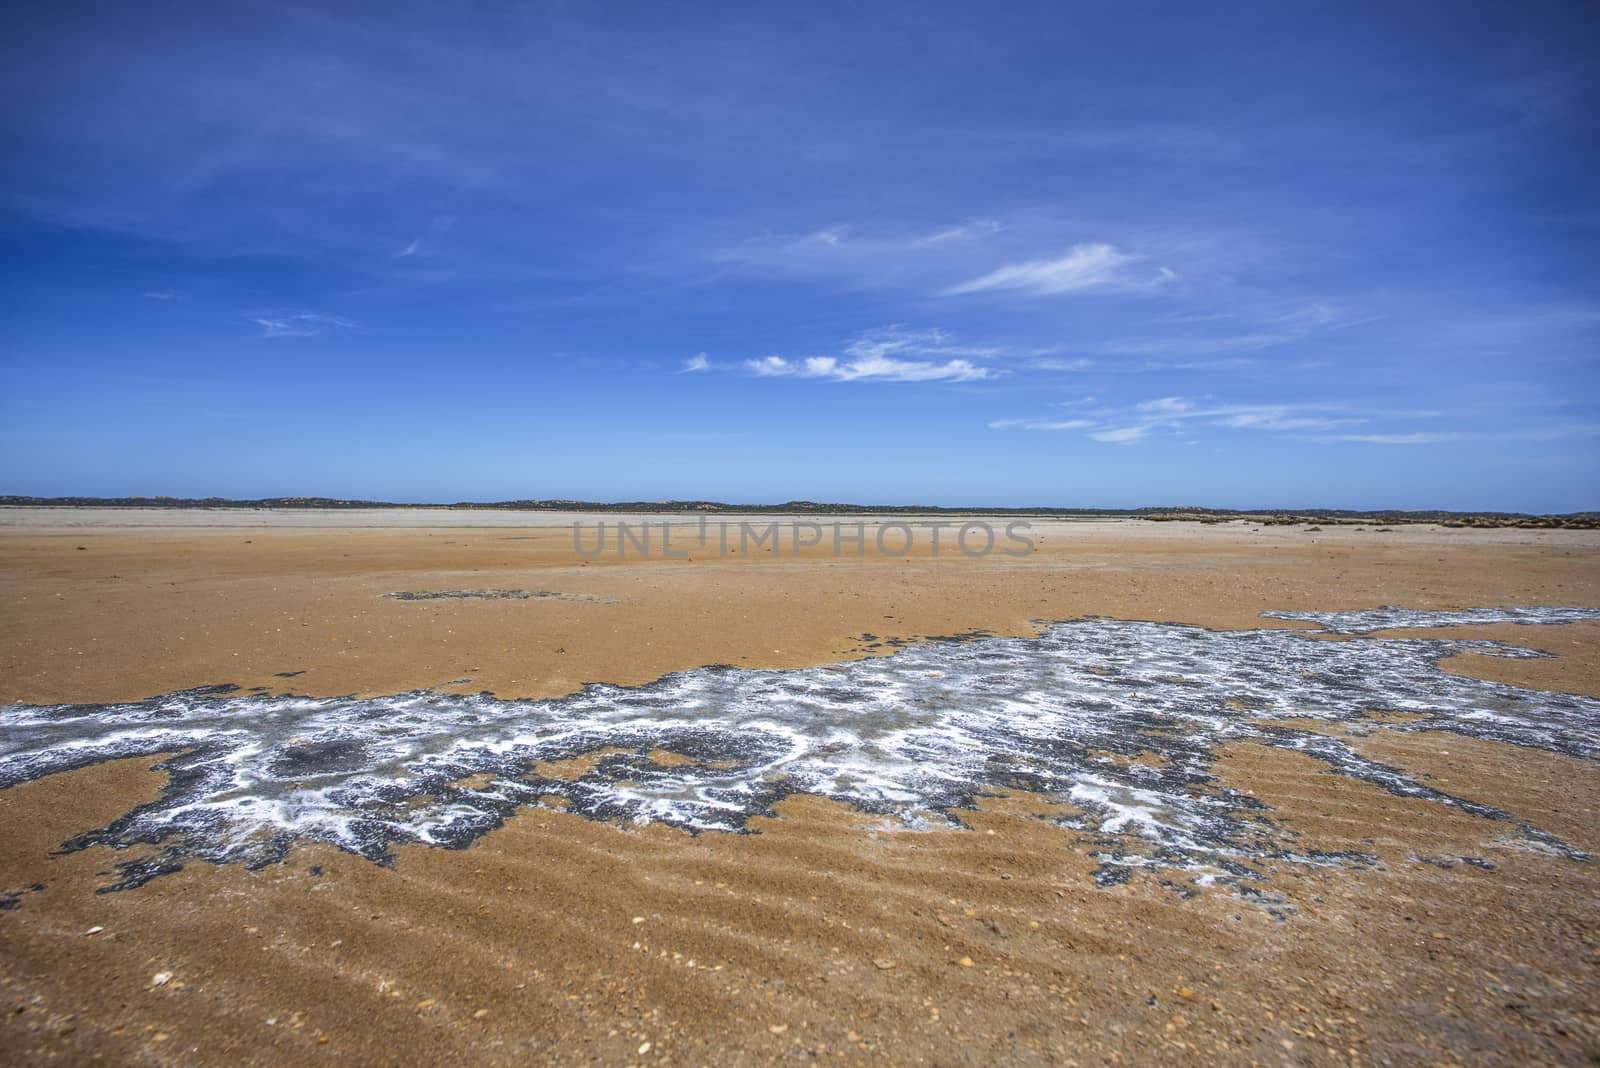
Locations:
column 795, row 506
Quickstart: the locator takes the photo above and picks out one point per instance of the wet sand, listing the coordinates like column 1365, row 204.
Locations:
column 828, row 934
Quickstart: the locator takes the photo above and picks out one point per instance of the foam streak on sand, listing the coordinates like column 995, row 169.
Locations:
column 1391, row 618
column 1118, row 722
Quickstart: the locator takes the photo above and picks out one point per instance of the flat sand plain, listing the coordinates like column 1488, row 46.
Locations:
column 557, row 939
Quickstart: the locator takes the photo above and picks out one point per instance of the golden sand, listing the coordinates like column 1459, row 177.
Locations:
column 826, row 935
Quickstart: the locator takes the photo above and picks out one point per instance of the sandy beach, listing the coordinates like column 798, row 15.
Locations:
column 1426, row 895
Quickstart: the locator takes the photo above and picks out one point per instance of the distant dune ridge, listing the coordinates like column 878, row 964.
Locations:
column 1166, row 513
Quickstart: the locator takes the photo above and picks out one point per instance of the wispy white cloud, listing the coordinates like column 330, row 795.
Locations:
column 1073, row 366
column 696, row 363
column 1166, row 405
column 410, row 250
column 870, row 368
column 869, row 252
column 301, row 324
column 1263, row 332
column 1083, row 364
column 162, row 294
column 971, row 231
column 1127, row 425
column 1083, row 268
column 1180, row 418
column 1281, row 419
column 1420, row 438
column 892, row 354
column 1126, row 435
column 1562, row 430
column 1041, row 424
column 897, row 339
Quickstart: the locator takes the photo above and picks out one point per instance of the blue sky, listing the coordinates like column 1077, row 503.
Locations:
column 1102, row 254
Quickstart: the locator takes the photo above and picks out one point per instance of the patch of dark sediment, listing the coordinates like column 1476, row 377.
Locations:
column 497, row 595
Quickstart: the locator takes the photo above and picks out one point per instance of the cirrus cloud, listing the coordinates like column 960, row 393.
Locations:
column 301, row 324
column 1131, row 424
column 1084, row 267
